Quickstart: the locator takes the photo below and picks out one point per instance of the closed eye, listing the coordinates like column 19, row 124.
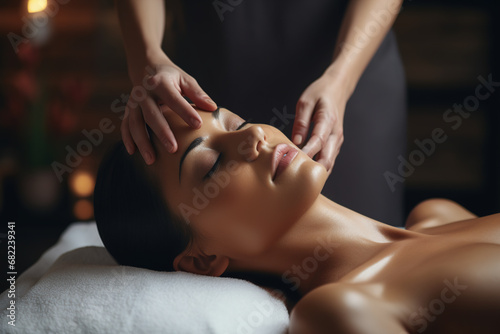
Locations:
column 241, row 125
column 217, row 163
column 214, row 168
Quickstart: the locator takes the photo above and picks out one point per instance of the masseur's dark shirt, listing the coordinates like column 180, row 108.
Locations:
column 262, row 55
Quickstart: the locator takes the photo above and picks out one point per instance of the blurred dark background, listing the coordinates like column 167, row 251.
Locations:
column 72, row 76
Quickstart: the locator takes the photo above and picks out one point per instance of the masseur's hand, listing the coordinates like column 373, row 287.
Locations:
column 160, row 82
column 322, row 105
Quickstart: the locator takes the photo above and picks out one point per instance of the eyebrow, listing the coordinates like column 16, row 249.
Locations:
column 196, row 142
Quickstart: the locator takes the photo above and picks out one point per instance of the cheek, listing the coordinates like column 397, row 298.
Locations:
column 233, row 217
column 243, row 214
column 304, row 182
column 294, row 196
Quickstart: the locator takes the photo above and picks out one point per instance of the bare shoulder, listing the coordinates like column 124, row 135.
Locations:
column 445, row 217
column 436, row 212
column 342, row 308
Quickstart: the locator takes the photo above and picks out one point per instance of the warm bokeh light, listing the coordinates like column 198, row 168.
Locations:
column 83, row 209
column 82, row 183
column 36, row 5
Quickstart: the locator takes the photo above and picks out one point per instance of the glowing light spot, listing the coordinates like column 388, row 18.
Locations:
column 36, row 5
column 83, row 209
column 82, row 183
column 372, row 270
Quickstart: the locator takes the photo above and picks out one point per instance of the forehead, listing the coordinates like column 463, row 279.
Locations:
column 184, row 133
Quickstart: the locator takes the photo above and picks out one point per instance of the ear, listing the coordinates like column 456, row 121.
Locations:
column 198, row 263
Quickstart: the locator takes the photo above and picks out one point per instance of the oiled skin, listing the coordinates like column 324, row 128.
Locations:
column 443, row 276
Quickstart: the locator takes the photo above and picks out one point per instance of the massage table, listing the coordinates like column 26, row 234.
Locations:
column 77, row 287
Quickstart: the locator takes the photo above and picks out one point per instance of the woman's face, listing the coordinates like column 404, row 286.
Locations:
column 222, row 181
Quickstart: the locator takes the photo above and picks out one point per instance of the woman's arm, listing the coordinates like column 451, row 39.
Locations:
column 364, row 26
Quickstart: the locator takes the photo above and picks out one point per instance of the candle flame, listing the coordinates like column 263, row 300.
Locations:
column 36, row 5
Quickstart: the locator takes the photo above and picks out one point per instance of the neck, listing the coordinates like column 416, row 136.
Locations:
column 325, row 244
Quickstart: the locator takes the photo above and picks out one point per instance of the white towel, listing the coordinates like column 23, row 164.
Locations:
column 85, row 291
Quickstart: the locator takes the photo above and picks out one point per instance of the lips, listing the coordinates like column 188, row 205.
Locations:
column 283, row 156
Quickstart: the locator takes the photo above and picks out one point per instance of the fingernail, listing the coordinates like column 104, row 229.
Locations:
column 167, row 145
column 195, row 122
column 297, row 139
column 148, row 157
column 170, row 147
column 129, row 149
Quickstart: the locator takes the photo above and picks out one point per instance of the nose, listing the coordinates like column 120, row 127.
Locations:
column 252, row 140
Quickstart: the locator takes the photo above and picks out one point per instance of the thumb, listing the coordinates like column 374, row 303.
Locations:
column 193, row 91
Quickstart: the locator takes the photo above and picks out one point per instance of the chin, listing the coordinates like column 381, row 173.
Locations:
column 298, row 191
column 302, row 185
column 312, row 178
column 299, row 186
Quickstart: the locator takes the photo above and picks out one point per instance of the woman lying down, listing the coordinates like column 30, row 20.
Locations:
column 241, row 197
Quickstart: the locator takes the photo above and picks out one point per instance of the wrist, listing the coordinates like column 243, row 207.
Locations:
column 138, row 62
column 155, row 55
column 341, row 79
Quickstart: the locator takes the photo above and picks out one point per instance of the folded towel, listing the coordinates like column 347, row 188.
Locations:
column 85, row 291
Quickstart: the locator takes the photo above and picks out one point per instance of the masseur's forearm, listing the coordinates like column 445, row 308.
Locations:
column 156, row 79
column 142, row 24
column 363, row 28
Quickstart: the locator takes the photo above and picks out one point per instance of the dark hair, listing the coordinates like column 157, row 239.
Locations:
column 133, row 219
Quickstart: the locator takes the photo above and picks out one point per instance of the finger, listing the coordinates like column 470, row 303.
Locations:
column 140, row 136
column 193, row 91
column 329, row 153
column 157, row 122
column 125, row 131
column 171, row 96
column 322, row 128
column 303, row 113
column 313, row 146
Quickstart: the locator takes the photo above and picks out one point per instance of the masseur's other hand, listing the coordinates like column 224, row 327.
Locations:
column 322, row 105
column 160, row 84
